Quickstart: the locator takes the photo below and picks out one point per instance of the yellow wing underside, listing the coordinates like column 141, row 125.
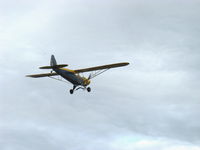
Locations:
column 81, row 70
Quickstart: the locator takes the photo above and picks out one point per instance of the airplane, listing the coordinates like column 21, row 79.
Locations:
column 73, row 76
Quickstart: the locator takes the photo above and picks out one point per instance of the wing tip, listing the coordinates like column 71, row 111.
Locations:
column 30, row 76
column 126, row 63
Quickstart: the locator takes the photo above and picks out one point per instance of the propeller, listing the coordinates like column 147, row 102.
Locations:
column 90, row 76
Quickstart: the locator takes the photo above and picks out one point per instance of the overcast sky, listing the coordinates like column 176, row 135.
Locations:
column 154, row 103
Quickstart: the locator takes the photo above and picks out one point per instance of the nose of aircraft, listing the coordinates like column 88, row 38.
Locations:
column 86, row 82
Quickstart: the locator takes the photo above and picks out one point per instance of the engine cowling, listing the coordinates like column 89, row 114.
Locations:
column 86, row 81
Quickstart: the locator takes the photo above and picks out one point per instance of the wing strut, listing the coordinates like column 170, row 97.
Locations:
column 98, row 72
column 58, row 79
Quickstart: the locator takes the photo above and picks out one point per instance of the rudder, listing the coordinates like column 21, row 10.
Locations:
column 53, row 61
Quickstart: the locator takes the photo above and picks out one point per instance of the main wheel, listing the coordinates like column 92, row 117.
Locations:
column 71, row 91
column 88, row 89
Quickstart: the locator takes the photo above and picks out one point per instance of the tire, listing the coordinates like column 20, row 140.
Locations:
column 89, row 89
column 71, row 91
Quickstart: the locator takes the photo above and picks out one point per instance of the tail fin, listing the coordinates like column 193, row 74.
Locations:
column 53, row 64
column 53, row 61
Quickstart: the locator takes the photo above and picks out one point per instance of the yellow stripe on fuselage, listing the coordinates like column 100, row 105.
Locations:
column 72, row 71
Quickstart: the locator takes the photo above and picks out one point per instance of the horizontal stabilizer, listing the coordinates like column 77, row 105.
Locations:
column 55, row 66
column 42, row 75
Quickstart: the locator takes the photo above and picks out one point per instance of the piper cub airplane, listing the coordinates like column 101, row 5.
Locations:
column 73, row 76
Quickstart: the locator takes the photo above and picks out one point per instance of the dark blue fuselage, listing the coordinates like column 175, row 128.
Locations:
column 69, row 76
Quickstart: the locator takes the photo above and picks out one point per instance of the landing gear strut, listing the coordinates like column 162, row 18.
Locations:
column 72, row 90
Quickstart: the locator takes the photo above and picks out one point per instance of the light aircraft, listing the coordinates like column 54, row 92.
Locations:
column 73, row 76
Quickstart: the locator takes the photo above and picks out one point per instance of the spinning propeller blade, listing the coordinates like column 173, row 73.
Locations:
column 89, row 77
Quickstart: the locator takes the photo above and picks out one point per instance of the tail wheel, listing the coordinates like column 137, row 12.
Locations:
column 71, row 91
column 89, row 89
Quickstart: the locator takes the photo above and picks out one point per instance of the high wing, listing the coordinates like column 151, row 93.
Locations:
column 42, row 75
column 101, row 67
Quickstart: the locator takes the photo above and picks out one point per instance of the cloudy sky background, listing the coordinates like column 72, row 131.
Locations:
column 151, row 104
